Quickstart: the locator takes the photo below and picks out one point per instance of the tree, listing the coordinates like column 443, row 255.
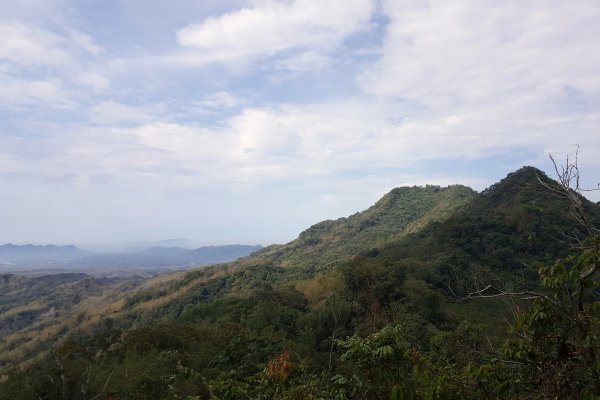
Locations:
column 556, row 336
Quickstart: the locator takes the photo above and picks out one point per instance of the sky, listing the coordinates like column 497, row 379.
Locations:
column 248, row 121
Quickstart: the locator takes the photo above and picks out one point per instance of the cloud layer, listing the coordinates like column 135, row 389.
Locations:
column 272, row 27
column 238, row 114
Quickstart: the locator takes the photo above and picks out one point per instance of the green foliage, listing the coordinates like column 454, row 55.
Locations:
column 399, row 213
column 381, row 361
column 557, row 338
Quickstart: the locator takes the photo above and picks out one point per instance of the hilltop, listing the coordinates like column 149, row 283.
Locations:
column 398, row 213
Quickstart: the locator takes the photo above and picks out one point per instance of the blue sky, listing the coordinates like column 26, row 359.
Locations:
column 248, row 121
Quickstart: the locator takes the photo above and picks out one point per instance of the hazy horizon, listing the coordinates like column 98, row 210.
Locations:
column 248, row 121
column 132, row 246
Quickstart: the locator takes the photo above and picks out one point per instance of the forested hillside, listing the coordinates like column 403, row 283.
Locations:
column 36, row 311
column 431, row 293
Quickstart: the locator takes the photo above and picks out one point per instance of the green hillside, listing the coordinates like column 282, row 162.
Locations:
column 320, row 248
column 501, row 231
column 371, row 306
column 397, row 214
column 36, row 311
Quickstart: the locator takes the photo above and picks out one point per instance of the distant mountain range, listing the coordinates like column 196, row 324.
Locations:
column 19, row 254
column 15, row 258
column 167, row 257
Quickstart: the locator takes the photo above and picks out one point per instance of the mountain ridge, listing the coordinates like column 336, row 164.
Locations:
column 514, row 223
column 327, row 241
column 404, row 260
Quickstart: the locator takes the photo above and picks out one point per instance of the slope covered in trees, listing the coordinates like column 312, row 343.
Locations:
column 400, row 212
column 369, row 307
column 36, row 311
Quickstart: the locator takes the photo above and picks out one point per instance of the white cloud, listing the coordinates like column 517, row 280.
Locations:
column 220, row 100
column 33, row 10
column 85, row 42
column 489, row 76
column 185, row 143
column 111, row 112
column 464, row 54
column 7, row 163
column 300, row 143
column 307, row 61
column 311, row 138
column 272, row 27
column 29, row 45
column 50, row 93
column 40, row 65
column 92, row 80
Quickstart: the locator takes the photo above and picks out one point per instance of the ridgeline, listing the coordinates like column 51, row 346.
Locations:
column 376, row 305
